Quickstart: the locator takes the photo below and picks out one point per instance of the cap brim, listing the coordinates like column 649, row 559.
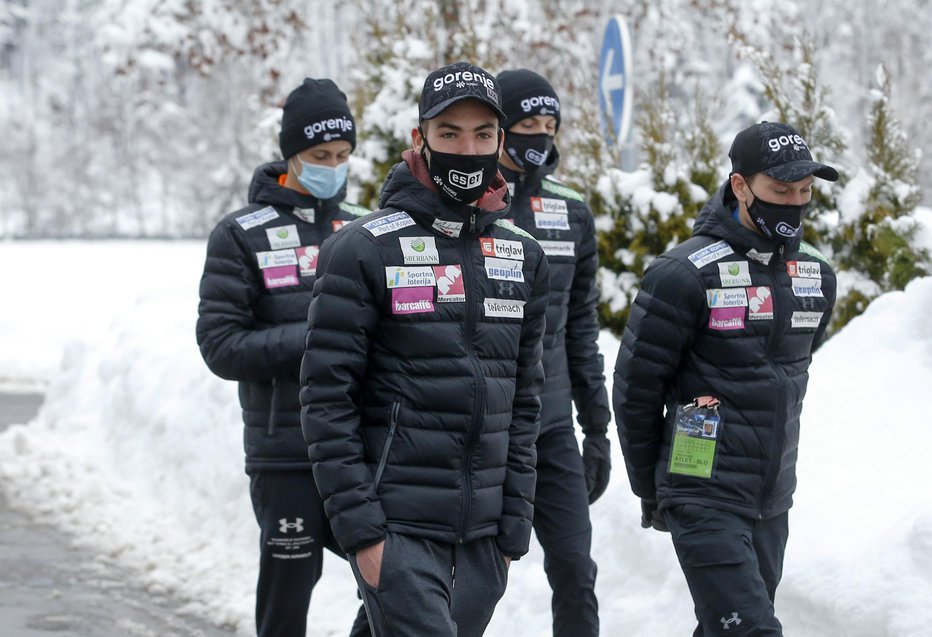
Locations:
column 798, row 170
column 444, row 105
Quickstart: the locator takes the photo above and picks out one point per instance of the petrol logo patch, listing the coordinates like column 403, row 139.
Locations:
column 726, row 298
column 806, row 319
column 283, row 237
column 760, row 303
column 503, row 269
column 276, row 258
column 413, row 300
column 257, row 218
column 502, row 248
column 405, row 277
column 450, row 287
column 280, row 277
column 307, row 260
column 734, row 274
column 389, row 223
column 419, row 250
column 710, row 254
column 726, row 318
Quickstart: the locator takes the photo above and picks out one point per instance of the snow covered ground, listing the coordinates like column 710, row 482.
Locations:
column 137, row 453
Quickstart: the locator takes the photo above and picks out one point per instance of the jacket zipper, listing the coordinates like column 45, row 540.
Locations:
column 776, row 448
column 383, row 458
column 271, row 424
column 472, row 298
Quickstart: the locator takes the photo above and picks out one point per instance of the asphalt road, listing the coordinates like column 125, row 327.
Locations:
column 49, row 588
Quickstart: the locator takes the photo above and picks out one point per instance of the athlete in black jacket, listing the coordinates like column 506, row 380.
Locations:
column 558, row 217
column 421, row 380
column 711, row 376
column 255, row 291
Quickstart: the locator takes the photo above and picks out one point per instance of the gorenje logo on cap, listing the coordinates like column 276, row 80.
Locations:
column 776, row 143
column 543, row 102
column 333, row 124
column 463, row 76
column 465, row 180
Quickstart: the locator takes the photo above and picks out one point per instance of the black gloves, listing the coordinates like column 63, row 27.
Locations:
column 650, row 516
column 597, row 460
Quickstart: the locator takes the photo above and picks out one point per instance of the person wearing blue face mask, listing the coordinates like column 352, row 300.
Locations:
column 255, row 290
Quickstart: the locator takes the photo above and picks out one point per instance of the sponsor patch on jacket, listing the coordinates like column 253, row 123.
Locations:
column 726, row 297
column 450, row 287
column 257, row 218
column 502, row 248
column 504, row 308
column 283, row 237
column 449, row 228
column 710, row 254
column 389, row 223
column 307, row 260
column 305, row 214
column 412, row 300
column 503, row 269
column 760, row 303
column 419, row 250
column 559, row 248
column 337, row 224
column 726, row 318
column 734, row 274
column 551, row 221
column 807, row 287
column 550, row 185
column 806, row 319
column 400, row 276
column 804, row 269
column 281, row 276
column 761, row 257
column 546, row 204
column 276, row 258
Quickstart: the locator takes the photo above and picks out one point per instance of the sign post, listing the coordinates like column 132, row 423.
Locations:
column 615, row 91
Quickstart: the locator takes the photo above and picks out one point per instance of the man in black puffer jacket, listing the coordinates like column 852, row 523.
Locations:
column 562, row 223
column 255, row 291
column 711, row 376
column 421, row 379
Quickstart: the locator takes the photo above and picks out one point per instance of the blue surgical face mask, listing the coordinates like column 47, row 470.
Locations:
column 324, row 182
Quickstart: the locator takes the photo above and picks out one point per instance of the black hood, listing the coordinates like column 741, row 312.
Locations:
column 716, row 220
column 265, row 189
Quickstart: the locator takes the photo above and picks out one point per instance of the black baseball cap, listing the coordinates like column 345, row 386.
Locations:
column 778, row 151
column 460, row 81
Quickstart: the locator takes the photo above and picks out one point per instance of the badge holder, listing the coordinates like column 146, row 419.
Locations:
column 697, row 429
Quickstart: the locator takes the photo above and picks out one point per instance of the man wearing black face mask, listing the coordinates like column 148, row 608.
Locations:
column 711, row 375
column 422, row 374
column 574, row 369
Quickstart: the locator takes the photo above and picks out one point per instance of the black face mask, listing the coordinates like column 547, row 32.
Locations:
column 779, row 222
column 460, row 178
column 528, row 152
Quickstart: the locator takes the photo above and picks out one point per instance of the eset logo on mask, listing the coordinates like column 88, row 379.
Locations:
column 465, row 180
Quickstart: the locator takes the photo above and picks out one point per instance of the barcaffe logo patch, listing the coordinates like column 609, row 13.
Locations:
column 727, row 297
column 257, row 218
column 504, row 308
column 412, row 300
column 503, row 269
column 280, row 277
column 450, row 287
column 390, row 223
column 807, row 287
column 806, row 319
column 726, row 318
column 804, row 269
column 276, row 258
column 502, row 248
column 559, row 248
column 404, row 277
column 419, row 250
column 307, row 260
column 710, row 254
column 734, row 274
column 283, row 237
column 760, row 303
column 545, row 204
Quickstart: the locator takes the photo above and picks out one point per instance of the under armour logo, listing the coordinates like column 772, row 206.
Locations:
column 807, row 303
column 505, row 288
column 734, row 619
column 552, row 233
column 297, row 525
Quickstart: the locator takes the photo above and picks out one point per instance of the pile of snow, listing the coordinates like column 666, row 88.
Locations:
column 137, row 453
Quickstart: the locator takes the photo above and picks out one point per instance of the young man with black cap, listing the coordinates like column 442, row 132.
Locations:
column 421, row 380
column 255, row 291
column 711, row 376
column 559, row 218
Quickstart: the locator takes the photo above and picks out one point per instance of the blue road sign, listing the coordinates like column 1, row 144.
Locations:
column 615, row 91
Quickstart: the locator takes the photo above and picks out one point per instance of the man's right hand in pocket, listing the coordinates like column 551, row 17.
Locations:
column 369, row 562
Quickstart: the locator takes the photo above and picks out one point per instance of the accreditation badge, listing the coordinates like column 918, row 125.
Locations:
column 697, row 429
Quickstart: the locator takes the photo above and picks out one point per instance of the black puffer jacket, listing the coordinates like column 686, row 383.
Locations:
column 558, row 217
column 255, row 291
column 422, row 375
column 753, row 355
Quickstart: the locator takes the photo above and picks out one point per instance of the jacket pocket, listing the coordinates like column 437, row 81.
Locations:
column 392, row 426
